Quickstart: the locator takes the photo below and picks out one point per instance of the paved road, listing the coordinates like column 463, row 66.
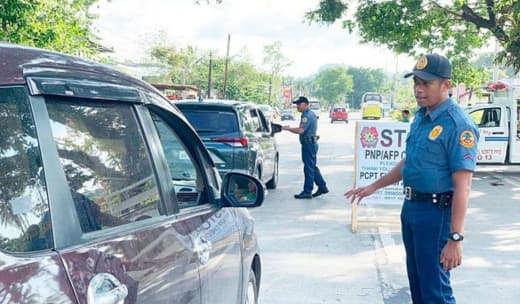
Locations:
column 310, row 255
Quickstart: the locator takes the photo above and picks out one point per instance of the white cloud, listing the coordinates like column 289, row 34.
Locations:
column 127, row 25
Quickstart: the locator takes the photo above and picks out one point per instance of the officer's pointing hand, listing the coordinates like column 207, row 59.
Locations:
column 360, row 193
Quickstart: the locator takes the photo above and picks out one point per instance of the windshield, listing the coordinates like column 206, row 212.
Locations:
column 315, row 106
column 373, row 97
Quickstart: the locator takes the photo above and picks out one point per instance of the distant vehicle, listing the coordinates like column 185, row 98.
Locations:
column 315, row 107
column 238, row 135
column 386, row 107
column 372, row 107
column 333, row 106
column 108, row 194
column 498, row 124
column 339, row 114
column 287, row 114
column 268, row 111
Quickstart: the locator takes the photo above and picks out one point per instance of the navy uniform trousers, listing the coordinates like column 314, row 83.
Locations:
column 311, row 171
column 425, row 230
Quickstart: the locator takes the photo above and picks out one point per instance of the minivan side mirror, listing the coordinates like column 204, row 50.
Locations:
column 275, row 128
column 242, row 190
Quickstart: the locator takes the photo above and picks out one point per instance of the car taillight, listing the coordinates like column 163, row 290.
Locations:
column 234, row 142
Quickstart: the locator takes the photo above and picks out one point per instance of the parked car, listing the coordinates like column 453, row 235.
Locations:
column 339, row 114
column 238, row 135
column 287, row 114
column 315, row 107
column 108, row 195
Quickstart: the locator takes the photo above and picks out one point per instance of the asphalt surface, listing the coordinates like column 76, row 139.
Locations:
column 309, row 254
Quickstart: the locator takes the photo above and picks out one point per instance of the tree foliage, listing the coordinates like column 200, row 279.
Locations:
column 63, row 26
column 333, row 84
column 456, row 27
column 336, row 84
column 366, row 80
column 190, row 66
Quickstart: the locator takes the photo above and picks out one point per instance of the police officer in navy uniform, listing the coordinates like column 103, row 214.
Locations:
column 309, row 142
column 441, row 153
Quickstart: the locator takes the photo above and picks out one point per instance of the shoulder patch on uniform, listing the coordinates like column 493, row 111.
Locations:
column 435, row 132
column 467, row 139
column 304, row 119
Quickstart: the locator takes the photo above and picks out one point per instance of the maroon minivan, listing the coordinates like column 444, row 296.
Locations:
column 107, row 194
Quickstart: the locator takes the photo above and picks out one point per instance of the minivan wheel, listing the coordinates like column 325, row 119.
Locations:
column 274, row 181
column 252, row 289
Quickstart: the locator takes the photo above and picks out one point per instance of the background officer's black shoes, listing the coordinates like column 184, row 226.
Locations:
column 320, row 191
column 303, row 195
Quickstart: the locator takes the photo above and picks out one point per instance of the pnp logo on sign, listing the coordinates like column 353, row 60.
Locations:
column 369, row 137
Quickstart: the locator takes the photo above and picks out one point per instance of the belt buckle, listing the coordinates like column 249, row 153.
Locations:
column 408, row 193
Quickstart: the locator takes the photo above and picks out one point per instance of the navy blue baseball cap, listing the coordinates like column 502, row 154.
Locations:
column 431, row 67
column 302, row 99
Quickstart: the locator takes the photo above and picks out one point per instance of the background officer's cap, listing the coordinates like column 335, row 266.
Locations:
column 301, row 99
column 431, row 67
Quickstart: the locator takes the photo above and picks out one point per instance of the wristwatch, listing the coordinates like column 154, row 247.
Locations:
column 456, row 237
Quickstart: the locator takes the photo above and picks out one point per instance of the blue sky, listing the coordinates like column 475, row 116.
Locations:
column 130, row 26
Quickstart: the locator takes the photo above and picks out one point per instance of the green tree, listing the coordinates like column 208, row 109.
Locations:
column 63, row 26
column 486, row 61
column 366, row 80
column 190, row 66
column 469, row 74
column 333, row 84
column 275, row 62
column 456, row 27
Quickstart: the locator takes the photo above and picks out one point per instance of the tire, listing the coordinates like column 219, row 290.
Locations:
column 332, row 121
column 251, row 289
column 274, row 181
column 346, row 121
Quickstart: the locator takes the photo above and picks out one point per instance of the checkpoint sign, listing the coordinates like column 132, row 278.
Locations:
column 379, row 147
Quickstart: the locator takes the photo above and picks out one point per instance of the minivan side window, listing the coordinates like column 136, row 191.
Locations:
column 25, row 222
column 186, row 179
column 106, row 162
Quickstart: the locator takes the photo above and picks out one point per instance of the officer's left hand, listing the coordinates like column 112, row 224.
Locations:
column 451, row 256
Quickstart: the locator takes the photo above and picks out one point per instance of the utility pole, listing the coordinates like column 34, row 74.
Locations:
column 226, row 68
column 209, row 74
column 270, row 87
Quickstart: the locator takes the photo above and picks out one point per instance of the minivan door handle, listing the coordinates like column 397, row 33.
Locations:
column 498, row 133
column 202, row 246
column 104, row 288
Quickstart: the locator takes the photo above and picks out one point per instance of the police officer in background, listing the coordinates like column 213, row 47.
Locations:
column 440, row 159
column 309, row 141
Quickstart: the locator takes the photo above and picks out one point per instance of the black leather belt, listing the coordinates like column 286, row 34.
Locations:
column 442, row 200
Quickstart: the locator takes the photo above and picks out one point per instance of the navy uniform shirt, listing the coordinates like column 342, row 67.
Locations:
column 439, row 144
column 309, row 123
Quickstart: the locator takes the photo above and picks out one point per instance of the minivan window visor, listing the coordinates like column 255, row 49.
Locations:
column 82, row 88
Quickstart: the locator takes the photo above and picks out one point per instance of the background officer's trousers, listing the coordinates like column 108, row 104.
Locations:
column 311, row 171
column 425, row 230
